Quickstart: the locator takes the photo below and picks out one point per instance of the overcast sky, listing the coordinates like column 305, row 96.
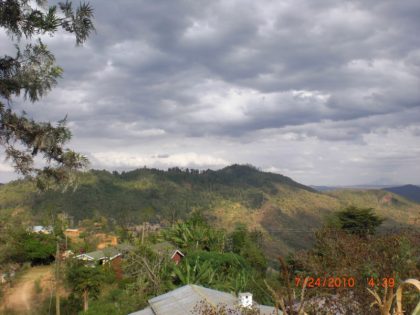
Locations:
column 326, row 92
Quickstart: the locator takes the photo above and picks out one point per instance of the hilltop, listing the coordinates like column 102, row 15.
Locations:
column 283, row 209
column 411, row 192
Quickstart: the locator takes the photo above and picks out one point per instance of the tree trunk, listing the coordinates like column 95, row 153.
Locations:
column 142, row 233
column 85, row 300
column 57, row 280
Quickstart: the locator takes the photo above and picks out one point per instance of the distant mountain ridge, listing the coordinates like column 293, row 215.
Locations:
column 367, row 186
column 411, row 192
column 284, row 210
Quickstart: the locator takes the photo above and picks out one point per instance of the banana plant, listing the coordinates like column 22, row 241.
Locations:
column 197, row 273
column 195, row 236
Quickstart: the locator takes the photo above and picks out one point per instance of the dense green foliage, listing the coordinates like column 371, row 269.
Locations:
column 147, row 194
column 85, row 281
column 233, row 261
column 286, row 214
column 208, row 262
column 359, row 221
column 248, row 245
column 17, row 245
column 224, row 263
column 36, row 248
column 196, row 234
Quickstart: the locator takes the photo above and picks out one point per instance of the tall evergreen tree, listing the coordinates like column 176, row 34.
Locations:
column 359, row 221
column 32, row 72
column 84, row 281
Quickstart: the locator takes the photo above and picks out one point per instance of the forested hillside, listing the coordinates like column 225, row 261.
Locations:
column 284, row 210
column 411, row 192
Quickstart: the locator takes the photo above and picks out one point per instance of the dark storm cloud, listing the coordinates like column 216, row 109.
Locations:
column 155, row 54
column 158, row 73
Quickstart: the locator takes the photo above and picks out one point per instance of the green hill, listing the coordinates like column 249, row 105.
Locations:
column 285, row 211
column 411, row 192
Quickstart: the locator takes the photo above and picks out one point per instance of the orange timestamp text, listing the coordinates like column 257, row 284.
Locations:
column 385, row 282
column 342, row 282
column 325, row 282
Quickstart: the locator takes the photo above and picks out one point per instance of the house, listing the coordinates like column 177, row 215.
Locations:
column 100, row 257
column 184, row 300
column 110, row 255
column 72, row 232
column 146, row 226
column 67, row 254
column 143, row 229
column 168, row 250
column 106, row 240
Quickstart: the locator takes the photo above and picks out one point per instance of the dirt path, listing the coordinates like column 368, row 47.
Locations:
column 22, row 296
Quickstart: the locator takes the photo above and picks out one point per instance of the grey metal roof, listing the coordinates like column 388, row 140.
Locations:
column 268, row 310
column 106, row 253
column 146, row 311
column 182, row 301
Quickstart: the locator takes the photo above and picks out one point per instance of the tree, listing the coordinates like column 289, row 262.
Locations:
column 196, row 234
column 195, row 273
column 33, row 72
column 248, row 245
column 85, row 281
column 359, row 221
column 24, row 246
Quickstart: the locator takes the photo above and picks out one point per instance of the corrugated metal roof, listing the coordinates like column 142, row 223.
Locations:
column 146, row 311
column 268, row 310
column 177, row 302
column 215, row 297
column 106, row 253
column 182, row 301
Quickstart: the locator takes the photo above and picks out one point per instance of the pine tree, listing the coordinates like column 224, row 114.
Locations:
column 359, row 221
column 32, row 72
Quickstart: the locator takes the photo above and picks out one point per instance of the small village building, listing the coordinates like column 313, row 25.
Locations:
column 166, row 249
column 72, row 232
column 109, row 255
column 67, row 254
column 183, row 300
column 100, row 257
column 106, row 240
column 177, row 256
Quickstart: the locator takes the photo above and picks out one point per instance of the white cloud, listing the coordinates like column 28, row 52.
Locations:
column 5, row 168
column 190, row 159
column 326, row 92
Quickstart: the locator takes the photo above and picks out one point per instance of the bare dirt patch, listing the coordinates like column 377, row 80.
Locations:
column 33, row 286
